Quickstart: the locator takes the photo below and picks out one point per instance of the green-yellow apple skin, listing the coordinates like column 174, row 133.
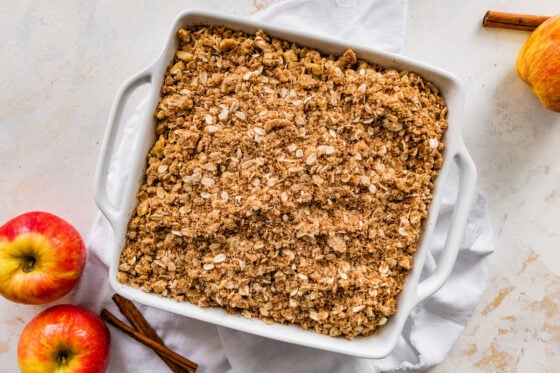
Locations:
column 42, row 258
column 538, row 63
column 64, row 339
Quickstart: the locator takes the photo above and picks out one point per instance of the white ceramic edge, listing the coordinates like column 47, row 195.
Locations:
column 466, row 192
column 108, row 207
column 375, row 346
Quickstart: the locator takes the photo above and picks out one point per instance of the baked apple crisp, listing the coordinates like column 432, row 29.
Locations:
column 284, row 184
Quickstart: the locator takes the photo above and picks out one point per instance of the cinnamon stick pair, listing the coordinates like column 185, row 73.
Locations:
column 143, row 332
column 512, row 21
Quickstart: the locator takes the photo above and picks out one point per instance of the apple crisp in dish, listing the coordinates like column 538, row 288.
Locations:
column 285, row 184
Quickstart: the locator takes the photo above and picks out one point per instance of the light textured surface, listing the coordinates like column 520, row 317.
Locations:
column 63, row 62
column 514, row 142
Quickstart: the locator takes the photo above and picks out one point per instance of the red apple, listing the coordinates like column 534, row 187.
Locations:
column 42, row 257
column 63, row 339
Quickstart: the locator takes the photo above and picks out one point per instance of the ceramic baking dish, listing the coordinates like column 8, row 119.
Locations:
column 119, row 214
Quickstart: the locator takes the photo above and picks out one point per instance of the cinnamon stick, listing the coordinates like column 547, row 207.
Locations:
column 138, row 322
column 157, row 347
column 512, row 21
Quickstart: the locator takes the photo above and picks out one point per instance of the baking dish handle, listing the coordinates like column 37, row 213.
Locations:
column 467, row 185
column 108, row 208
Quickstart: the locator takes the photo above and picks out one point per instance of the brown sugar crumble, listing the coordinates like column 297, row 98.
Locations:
column 284, row 184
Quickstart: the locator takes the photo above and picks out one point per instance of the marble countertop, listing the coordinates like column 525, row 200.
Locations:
column 62, row 63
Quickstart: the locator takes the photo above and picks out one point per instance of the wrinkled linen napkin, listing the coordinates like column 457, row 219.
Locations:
column 434, row 325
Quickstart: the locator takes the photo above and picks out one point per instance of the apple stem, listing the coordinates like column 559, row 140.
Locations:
column 29, row 264
column 62, row 359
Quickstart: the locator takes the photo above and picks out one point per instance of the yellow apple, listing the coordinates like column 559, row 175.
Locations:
column 538, row 63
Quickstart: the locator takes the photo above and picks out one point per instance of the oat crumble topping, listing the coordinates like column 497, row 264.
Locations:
column 284, row 184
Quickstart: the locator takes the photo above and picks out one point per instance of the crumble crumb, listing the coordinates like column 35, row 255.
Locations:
column 284, row 184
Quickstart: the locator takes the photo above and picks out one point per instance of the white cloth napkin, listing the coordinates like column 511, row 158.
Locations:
column 374, row 23
column 433, row 326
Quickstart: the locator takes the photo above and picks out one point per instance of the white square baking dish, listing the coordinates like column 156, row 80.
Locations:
column 119, row 214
